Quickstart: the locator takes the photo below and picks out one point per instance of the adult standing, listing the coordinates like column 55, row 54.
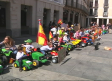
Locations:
column 91, row 24
column 53, row 23
column 9, row 44
column 103, row 27
column 54, row 30
column 61, row 32
column 110, row 28
column 50, row 25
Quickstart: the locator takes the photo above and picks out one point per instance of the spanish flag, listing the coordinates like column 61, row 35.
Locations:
column 60, row 21
column 41, row 37
column 50, row 35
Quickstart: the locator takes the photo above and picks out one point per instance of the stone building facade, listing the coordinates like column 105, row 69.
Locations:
column 19, row 17
column 76, row 11
column 100, row 12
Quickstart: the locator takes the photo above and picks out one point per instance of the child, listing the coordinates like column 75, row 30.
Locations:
column 54, row 30
column 61, row 40
column 48, row 47
column 65, row 38
column 55, row 42
column 74, row 36
column 28, row 45
column 20, row 56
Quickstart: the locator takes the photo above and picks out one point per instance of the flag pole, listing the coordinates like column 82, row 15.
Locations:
column 39, row 21
column 39, row 27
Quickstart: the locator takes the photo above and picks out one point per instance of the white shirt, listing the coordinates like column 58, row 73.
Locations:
column 59, row 28
column 74, row 35
column 45, row 48
column 54, row 30
column 28, row 48
column 65, row 38
column 19, row 55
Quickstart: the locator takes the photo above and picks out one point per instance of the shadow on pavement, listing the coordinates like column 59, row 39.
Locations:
column 78, row 49
column 66, row 61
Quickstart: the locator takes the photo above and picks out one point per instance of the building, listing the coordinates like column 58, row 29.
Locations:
column 76, row 11
column 19, row 17
column 100, row 12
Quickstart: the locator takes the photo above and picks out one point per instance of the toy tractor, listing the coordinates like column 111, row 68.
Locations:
column 6, row 54
column 38, row 58
column 52, row 55
column 26, row 64
column 83, row 41
column 76, row 42
column 1, row 67
column 68, row 46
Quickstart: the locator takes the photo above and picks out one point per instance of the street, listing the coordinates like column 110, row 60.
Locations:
column 81, row 64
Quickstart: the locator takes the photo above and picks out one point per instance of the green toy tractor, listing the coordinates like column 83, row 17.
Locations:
column 69, row 47
column 38, row 58
column 6, row 52
column 26, row 64
column 1, row 67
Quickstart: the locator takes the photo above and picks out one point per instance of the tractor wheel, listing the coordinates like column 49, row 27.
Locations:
column 5, row 60
column 68, row 49
column 89, row 43
column 82, row 44
column 35, row 63
column 25, row 68
column 15, row 65
column 54, row 60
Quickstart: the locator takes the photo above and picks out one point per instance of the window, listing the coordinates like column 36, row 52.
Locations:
column 95, row 12
column 105, row 9
column 72, row 2
column 106, row 2
column 105, row 13
column 56, row 0
column 96, row 3
column 91, row 4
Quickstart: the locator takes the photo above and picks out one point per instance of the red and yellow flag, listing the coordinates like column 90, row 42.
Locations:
column 41, row 37
column 60, row 21
column 50, row 35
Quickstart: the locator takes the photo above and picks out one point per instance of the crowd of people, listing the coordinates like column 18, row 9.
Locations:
column 61, row 35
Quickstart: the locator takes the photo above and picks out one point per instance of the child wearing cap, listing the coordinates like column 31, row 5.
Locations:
column 65, row 38
column 28, row 45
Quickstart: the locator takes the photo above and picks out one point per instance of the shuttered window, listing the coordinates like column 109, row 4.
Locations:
column 106, row 2
column 105, row 9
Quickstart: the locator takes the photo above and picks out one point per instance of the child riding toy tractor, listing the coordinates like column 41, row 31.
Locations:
column 26, row 64
column 36, row 57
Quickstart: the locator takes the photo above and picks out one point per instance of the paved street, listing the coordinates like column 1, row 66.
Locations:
column 83, row 64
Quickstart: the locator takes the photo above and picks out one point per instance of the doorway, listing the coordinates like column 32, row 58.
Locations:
column 46, row 19
column 26, row 19
column 56, row 16
column 3, row 18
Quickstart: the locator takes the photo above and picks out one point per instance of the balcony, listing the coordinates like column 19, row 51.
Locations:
column 105, row 14
column 106, row 5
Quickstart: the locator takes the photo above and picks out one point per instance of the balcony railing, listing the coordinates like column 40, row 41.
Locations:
column 105, row 14
column 106, row 5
